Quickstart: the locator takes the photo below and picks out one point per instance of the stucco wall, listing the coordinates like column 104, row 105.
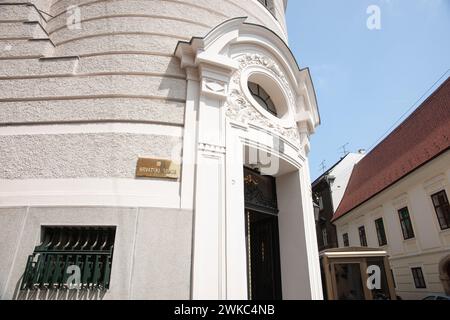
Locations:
column 77, row 109
column 151, row 258
column 117, row 65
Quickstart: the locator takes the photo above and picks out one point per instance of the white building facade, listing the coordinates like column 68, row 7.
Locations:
column 397, row 199
column 90, row 88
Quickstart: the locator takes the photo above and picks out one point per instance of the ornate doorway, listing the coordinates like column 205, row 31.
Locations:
column 263, row 249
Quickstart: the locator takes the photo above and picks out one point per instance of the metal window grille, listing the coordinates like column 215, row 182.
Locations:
column 87, row 249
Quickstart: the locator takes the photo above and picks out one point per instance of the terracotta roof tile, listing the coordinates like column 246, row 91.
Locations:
column 421, row 137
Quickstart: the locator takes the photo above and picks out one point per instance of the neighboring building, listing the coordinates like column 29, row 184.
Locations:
column 398, row 199
column 328, row 191
column 125, row 127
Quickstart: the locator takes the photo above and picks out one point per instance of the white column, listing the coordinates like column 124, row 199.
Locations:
column 190, row 139
column 310, row 234
column 209, row 252
column 237, row 283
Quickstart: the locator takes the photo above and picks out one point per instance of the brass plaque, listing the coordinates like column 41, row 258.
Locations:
column 157, row 168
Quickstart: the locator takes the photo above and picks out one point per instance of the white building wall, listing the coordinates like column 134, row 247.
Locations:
column 80, row 104
column 342, row 173
column 430, row 244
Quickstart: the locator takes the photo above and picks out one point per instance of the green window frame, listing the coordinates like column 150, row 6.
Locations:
column 406, row 224
column 362, row 236
column 442, row 208
column 63, row 249
column 346, row 240
column 381, row 232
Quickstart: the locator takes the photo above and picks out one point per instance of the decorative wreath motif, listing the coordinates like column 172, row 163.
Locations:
column 241, row 110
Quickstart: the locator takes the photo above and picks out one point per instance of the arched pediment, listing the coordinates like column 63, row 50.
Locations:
column 242, row 50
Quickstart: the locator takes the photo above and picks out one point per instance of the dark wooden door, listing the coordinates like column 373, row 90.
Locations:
column 264, row 257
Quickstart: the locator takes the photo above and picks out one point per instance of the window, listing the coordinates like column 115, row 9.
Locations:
column 419, row 280
column 362, row 236
column 262, row 97
column 64, row 250
column 393, row 279
column 320, row 203
column 268, row 4
column 346, row 240
column 442, row 208
column 325, row 236
column 382, row 241
column 405, row 222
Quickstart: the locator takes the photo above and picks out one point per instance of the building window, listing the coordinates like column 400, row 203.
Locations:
column 320, row 203
column 442, row 207
column 393, row 279
column 262, row 97
column 419, row 279
column 71, row 252
column 405, row 222
column 269, row 5
column 346, row 240
column 362, row 236
column 325, row 236
column 382, row 240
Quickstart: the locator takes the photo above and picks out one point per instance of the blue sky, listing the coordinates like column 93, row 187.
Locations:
column 365, row 79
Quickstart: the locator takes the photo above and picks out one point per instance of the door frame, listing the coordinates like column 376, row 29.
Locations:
column 276, row 247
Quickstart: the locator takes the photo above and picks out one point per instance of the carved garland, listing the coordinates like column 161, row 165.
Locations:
column 240, row 109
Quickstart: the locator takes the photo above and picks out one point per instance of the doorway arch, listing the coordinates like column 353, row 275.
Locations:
column 444, row 273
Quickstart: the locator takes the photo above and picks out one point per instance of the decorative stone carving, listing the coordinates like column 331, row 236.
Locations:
column 241, row 110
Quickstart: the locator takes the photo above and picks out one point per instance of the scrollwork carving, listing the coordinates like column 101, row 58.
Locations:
column 241, row 110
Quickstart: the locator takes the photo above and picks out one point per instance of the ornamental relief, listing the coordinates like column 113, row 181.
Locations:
column 239, row 109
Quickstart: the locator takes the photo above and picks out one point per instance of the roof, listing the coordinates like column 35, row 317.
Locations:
column 326, row 173
column 424, row 135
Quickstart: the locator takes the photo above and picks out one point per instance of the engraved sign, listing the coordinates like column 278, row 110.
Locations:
column 157, row 168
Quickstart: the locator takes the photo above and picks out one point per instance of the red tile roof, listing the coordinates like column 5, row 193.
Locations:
column 424, row 135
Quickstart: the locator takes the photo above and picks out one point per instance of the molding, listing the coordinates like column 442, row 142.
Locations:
column 435, row 184
column 239, row 109
column 90, row 128
column 211, row 148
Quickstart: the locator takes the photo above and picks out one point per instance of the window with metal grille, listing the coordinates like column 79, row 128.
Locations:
column 419, row 279
column 262, row 97
column 406, row 224
column 269, row 5
column 442, row 208
column 66, row 250
column 346, row 240
column 381, row 233
column 362, row 236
